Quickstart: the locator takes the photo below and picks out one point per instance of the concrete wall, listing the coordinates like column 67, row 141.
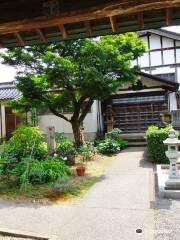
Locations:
column 90, row 124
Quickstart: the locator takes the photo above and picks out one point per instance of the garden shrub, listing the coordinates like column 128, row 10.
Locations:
column 110, row 146
column 65, row 148
column 155, row 146
column 114, row 134
column 33, row 171
column 87, row 152
column 26, row 141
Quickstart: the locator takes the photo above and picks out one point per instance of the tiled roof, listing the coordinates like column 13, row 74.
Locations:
column 8, row 91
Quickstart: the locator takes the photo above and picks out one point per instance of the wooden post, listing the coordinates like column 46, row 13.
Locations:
column 109, row 118
column 51, row 140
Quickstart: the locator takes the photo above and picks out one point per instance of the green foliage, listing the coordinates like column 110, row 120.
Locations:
column 86, row 70
column 67, row 185
column 26, row 141
column 110, row 146
column 87, row 152
column 114, row 134
column 155, row 145
column 60, row 137
column 65, row 148
column 32, row 171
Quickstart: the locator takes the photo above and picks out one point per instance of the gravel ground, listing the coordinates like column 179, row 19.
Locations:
column 167, row 219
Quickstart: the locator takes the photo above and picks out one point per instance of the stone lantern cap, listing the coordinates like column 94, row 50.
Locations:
column 172, row 139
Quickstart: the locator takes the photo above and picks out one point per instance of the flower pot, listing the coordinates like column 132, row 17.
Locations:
column 80, row 170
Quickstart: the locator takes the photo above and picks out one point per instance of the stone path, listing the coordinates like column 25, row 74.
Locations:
column 113, row 209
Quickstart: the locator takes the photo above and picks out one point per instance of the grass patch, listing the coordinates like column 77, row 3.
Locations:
column 47, row 193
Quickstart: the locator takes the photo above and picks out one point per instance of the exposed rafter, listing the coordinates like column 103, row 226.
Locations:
column 114, row 25
column 86, row 18
column 63, row 31
column 141, row 21
column 41, row 35
column 168, row 16
column 88, row 28
column 19, row 38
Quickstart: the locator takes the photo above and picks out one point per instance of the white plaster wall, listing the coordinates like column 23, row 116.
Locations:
column 177, row 43
column 145, row 39
column 155, row 42
column 163, row 70
column 178, row 74
column 144, row 60
column 168, row 56
column 178, row 55
column 90, row 122
column 156, row 58
column 172, row 102
column 167, row 42
column 3, row 119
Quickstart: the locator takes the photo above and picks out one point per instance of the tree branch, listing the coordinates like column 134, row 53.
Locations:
column 77, row 108
column 58, row 114
column 86, row 110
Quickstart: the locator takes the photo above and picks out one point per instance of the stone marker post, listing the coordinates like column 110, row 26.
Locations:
column 172, row 142
column 51, row 140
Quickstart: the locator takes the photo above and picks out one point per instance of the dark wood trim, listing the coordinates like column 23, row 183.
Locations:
column 161, row 66
column 149, row 55
column 162, row 52
column 164, row 49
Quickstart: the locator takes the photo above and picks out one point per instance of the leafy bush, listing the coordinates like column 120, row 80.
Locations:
column 110, row 146
column 155, row 145
column 87, row 152
column 26, row 141
column 66, row 185
column 59, row 137
column 65, row 148
column 32, row 171
column 114, row 134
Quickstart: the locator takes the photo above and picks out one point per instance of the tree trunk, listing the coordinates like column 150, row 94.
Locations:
column 78, row 133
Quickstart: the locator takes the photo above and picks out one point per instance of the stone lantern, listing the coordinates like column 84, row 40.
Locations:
column 173, row 154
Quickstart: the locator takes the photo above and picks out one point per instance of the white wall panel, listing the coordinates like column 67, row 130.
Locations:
column 177, row 43
column 156, row 58
column 144, row 60
column 178, row 55
column 178, row 74
column 167, row 42
column 145, row 39
column 163, row 70
column 168, row 56
column 155, row 42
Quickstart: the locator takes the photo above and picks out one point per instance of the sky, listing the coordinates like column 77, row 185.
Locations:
column 7, row 74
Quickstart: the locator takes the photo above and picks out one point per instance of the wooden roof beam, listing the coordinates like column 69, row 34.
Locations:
column 114, row 25
column 141, row 20
column 41, row 35
column 118, row 8
column 168, row 16
column 88, row 28
column 19, row 38
column 63, row 31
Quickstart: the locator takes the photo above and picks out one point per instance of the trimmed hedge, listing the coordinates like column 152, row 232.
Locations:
column 155, row 145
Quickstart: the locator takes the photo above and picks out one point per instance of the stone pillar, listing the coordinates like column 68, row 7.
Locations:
column 51, row 140
column 173, row 154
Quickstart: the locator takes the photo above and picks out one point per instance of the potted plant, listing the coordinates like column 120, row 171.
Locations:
column 81, row 166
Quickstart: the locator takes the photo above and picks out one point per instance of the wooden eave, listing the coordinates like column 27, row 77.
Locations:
column 24, row 22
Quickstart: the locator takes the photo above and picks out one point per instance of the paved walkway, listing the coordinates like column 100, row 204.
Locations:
column 112, row 210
